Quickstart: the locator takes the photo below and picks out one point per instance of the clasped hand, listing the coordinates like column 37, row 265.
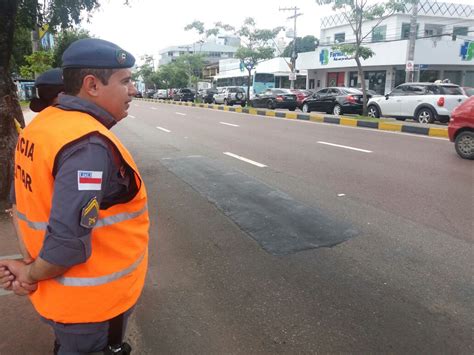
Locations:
column 14, row 277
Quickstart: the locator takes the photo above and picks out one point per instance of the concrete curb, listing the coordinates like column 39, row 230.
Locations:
column 341, row 120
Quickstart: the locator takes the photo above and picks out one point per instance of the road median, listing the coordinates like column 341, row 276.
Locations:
column 383, row 125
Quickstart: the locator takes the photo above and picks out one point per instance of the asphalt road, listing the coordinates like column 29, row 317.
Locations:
column 223, row 275
column 283, row 236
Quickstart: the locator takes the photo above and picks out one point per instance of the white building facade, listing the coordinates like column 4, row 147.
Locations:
column 438, row 53
column 212, row 51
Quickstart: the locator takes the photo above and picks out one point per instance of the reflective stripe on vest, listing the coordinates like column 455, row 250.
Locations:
column 96, row 281
column 102, row 222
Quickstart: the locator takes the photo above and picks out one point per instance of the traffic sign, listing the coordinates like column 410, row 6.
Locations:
column 410, row 66
column 292, row 76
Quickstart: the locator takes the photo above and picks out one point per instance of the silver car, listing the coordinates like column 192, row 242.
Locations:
column 230, row 95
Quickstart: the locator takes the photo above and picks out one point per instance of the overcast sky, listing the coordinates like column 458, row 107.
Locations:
column 147, row 26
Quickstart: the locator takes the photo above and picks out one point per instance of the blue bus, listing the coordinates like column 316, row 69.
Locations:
column 259, row 82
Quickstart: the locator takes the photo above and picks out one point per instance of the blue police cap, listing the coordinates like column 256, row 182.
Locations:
column 96, row 53
column 53, row 77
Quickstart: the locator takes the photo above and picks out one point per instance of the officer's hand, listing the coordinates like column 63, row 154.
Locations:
column 18, row 268
column 23, row 289
column 6, row 278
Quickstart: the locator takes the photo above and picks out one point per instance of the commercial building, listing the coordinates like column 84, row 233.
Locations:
column 444, row 49
column 212, row 51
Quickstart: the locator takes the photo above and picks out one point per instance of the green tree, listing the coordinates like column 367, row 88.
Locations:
column 355, row 13
column 256, row 46
column 305, row 44
column 192, row 65
column 63, row 40
column 37, row 62
column 146, row 70
column 26, row 14
column 21, row 49
column 200, row 28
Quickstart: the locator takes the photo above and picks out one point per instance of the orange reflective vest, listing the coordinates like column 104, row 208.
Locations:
column 111, row 280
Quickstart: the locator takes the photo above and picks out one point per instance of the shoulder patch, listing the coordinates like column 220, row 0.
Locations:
column 89, row 180
column 90, row 213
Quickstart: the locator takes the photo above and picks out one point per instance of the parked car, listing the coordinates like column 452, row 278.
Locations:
column 149, row 93
column 207, row 95
column 139, row 95
column 230, row 95
column 423, row 102
column 461, row 129
column 183, row 95
column 301, row 95
column 275, row 98
column 161, row 94
column 468, row 91
column 335, row 100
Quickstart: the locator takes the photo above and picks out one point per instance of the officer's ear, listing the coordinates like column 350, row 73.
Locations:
column 91, row 84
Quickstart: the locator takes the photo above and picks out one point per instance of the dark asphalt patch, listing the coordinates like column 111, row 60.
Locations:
column 277, row 222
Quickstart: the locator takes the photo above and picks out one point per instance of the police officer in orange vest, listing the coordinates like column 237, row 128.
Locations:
column 82, row 206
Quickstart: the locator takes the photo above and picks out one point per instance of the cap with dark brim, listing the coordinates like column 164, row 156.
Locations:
column 38, row 105
column 50, row 77
column 96, row 53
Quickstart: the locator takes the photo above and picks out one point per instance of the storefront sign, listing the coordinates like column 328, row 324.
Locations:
column 467, row 51
column 325, row 55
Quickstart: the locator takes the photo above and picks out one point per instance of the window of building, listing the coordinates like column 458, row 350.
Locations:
column 429, row 76
column 379, row 33
column 170, row 54
column 432, row 30
column 340, row 37
column 406, row 30
column 460, row 31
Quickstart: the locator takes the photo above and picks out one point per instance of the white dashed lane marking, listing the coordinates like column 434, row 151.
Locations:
column 229, row 124
column 346, row 147
column 260, row 165
column 181, row 114
column 163, row 129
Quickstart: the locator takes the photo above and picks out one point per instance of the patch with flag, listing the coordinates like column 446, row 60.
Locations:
column 89, row 180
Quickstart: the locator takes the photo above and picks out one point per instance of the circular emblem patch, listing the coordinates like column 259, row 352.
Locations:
column 121, row 56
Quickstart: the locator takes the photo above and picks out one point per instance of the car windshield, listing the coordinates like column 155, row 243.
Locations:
column 186, row 91
column 282, row 91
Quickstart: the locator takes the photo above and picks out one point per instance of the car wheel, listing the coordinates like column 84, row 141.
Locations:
column 464, row 144
column 305, row 108
column 242, row 104
column 270, row 105
column 337, row 110
column 425, row 115
column 292, row 108
column 373, row 111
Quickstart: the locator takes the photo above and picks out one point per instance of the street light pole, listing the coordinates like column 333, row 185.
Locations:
column 294, row 55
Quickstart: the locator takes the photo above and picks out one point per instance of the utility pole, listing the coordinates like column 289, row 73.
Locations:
column 410, row 75
column 294, row 55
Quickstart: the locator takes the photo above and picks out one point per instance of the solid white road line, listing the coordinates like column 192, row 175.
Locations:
column 153, row 108
column 181, row 114
column 245, row 159
column 229, row 124
column 163, row 129
column 346, row 147
column 131, row 116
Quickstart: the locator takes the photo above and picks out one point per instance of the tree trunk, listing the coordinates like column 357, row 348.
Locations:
column 9, row 105
column 361, row 76
column 249, row 81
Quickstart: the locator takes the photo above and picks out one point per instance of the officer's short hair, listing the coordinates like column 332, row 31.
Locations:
column 74, row 77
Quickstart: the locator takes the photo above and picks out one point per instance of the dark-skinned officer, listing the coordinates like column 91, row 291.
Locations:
column 82, row 206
